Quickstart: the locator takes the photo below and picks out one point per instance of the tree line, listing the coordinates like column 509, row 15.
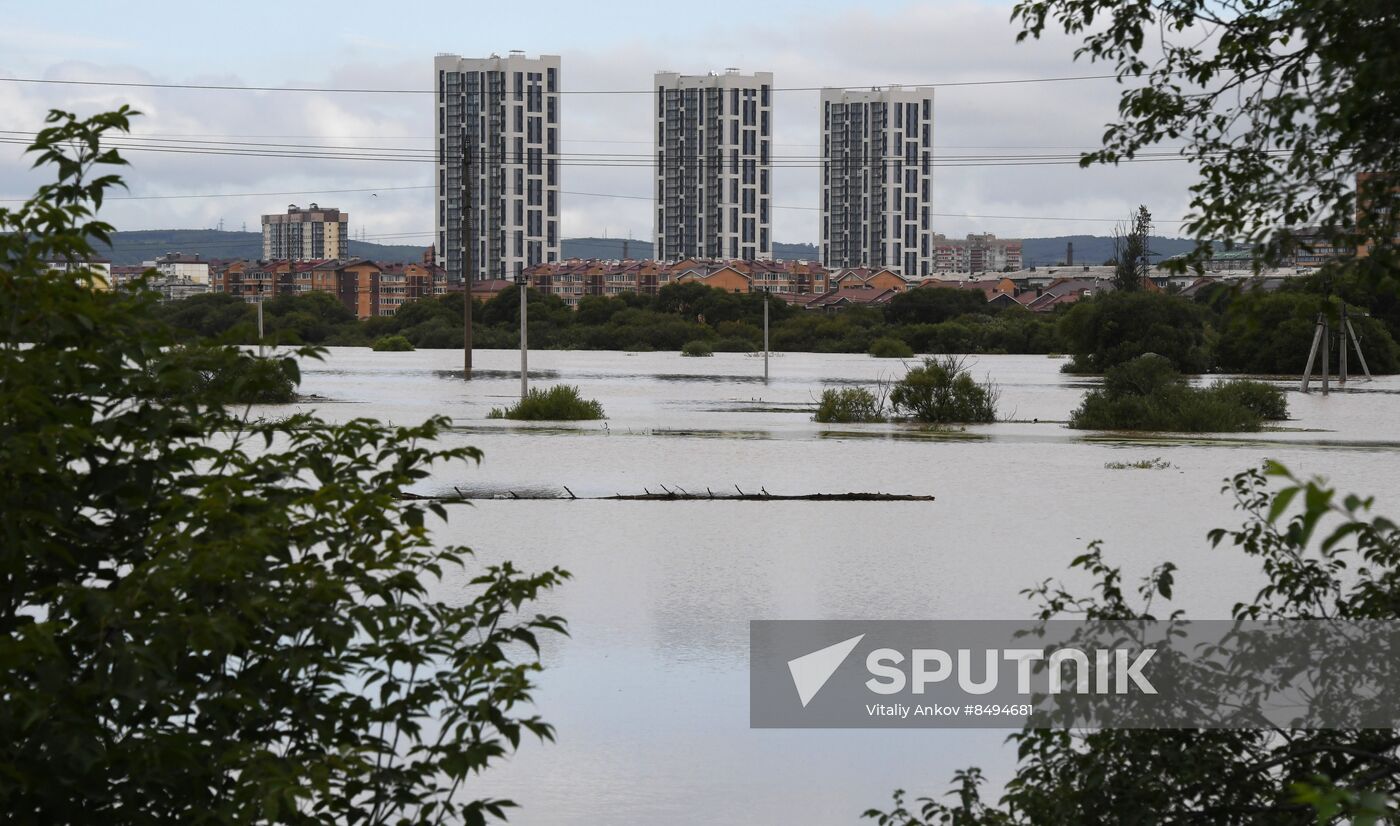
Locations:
column 1222, row 328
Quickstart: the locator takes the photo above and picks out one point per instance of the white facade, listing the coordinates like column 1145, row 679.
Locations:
column 876, row 179
column 713, row 165
column 179, row 267
column 100, row 268
column 498, row 123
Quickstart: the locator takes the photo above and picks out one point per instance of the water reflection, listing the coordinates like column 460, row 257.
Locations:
column 650, row 692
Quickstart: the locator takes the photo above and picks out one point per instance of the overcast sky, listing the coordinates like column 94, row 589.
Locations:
column 612, row 46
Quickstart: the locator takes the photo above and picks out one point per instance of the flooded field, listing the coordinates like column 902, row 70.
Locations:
column 649, row 695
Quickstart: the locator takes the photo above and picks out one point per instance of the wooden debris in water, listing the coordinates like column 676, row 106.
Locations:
column 679, row 495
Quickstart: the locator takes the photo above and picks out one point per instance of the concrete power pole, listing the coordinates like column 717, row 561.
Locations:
column 524, row 342
column 765, row 336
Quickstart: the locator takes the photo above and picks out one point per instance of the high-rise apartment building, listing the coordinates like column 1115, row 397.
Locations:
column 876, row 179
column 498, row 164
column 713, row 165
column 311, row 234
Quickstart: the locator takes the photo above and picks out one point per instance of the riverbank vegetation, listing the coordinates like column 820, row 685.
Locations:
column 196, row 601
column 1147, row 393
column 560, row 403
column 889, row 347
column 1220, row 329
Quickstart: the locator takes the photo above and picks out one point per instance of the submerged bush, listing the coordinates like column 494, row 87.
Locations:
column 734, row 345
column 697, row 348
column 888, row 347
column 1148, row 394
column 849, row 404
column 560, row 403
column 942, row 391
column 392, row 344
column 1261, row 397
column 222, row 377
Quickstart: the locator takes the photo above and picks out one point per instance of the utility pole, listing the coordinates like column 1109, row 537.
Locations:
column 1342, row 348
column 765, row 335
column 261, row 348
column 1326, row 354
column 524, row 343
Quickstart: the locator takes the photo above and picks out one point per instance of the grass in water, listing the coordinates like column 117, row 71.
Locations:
column 1141, row 464
column 560, row 403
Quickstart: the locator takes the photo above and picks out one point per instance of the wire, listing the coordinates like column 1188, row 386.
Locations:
column 240, row 194
column 209, row 87
column 602, row 160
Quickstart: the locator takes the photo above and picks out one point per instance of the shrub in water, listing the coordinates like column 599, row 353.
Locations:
column 226, row 376
column 942, row 391
column 1261, row 397
column 734, row 345
column 1148, row 394
column 392, row 344
column 888, row 347
column 697, row 348
column 561, row 403
column 849, row 404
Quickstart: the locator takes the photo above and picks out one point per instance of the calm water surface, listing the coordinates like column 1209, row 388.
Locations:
column 649, row 695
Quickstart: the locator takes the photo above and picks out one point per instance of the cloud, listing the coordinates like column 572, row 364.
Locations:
column 924, row 43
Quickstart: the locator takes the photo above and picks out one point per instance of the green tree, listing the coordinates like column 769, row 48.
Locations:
column 1280, row 104
column 1131, row 255
column 943, row 391
column 1116, row 327
column 211, row 316
column 931, row 305
column 1272, row 333
column 1322, row 555
column 207, row 619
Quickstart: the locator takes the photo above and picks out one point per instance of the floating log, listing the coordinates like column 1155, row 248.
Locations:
column 768, row 497
column 679, row 495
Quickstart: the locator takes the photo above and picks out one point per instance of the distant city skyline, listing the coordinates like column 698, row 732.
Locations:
column 607, row 138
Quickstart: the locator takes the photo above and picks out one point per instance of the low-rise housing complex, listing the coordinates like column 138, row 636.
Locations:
column 976, row 253
column 572, row 280
column 365, row 287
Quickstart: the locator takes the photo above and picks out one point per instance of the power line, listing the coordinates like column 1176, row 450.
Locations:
column 624, row 161
column 239, row 194
column 209, row 87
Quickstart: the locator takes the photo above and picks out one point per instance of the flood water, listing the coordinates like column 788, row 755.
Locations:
column 649, row 694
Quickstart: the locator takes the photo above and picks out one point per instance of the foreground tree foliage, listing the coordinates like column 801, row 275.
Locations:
column 1281, row 104
column 205, row 619
column 1324, row 556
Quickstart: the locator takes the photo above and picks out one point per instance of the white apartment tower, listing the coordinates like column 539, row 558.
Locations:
column 497, row 165
column 713, row 165
column 876, row 178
